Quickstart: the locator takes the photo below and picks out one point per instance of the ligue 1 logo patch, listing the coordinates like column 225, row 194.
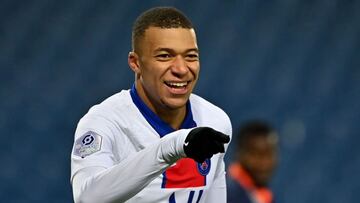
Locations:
column 87, row 144
column 204, row 167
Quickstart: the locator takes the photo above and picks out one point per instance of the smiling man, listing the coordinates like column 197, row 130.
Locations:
column 156, row 142
column 166, row 63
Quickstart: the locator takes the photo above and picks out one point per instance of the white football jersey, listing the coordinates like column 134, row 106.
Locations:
column 123, row 151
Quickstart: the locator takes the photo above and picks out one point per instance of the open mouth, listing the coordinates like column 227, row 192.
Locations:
column 177, row 85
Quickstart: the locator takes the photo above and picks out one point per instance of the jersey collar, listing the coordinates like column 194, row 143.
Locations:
column 155, row 121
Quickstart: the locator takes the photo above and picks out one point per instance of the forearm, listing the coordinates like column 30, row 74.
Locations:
column 126, row 179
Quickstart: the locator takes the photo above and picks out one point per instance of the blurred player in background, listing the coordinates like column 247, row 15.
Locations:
column 255, row 160
column 156, row 142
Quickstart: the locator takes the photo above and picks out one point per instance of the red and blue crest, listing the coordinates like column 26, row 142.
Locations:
column 204, row 167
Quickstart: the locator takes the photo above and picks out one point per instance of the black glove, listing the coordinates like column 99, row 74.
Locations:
column 203, row 142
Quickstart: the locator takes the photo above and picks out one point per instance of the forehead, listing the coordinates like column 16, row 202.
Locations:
column 179, row 39
column 258, row 142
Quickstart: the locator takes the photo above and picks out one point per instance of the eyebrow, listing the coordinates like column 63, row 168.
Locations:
column 172, row 51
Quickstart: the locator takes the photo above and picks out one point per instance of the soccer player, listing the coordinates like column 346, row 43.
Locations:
column 156, row 142
column 256, row 158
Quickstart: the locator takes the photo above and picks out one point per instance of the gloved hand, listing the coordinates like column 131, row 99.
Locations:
column 203, row 142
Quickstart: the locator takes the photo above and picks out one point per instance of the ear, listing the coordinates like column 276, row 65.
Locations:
column 133, row 61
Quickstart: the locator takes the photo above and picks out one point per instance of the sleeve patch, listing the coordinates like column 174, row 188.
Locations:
column 87, row 144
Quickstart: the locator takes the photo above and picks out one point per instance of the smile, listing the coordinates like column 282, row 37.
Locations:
column 177, row 84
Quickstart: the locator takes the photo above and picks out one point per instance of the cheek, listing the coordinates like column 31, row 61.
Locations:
column 195, row 68
column 149, row 73
column 250, row 162
column 155, row 82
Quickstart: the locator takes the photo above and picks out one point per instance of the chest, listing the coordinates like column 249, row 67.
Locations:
column 184, row 181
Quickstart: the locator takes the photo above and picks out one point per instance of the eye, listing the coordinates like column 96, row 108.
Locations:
column 192, row 57
column 163, row 57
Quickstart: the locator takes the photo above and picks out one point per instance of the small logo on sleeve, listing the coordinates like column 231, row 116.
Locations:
column 87, row 144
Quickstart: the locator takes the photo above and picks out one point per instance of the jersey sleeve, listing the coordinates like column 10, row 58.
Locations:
column 96, row 177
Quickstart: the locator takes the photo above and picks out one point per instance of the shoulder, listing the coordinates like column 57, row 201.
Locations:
column 206, row 112
column 105, row 116
column 119, row 100
column 201, row 105
column 111, row 106
column 236, row 193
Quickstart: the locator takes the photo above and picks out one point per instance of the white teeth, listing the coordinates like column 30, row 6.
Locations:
column 177, row 84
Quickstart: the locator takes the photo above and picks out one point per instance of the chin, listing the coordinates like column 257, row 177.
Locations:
column 175, row 103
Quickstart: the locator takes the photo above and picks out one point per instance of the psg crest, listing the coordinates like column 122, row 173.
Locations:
column 204, row 167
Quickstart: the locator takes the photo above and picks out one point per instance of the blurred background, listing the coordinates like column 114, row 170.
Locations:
column 294, row 63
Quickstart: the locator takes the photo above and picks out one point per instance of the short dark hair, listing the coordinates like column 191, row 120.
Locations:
column 252, row 129
column 162, row 17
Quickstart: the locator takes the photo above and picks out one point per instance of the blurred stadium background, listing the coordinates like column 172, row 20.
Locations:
column 295, row 63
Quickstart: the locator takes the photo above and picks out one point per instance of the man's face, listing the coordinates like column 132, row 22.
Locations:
column 168, row 66
column 259, row 158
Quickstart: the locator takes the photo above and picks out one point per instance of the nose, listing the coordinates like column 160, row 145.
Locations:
column 179, row 67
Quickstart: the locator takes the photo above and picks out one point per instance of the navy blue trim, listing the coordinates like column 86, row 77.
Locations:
column 172, row 198
column 163, row 184
column 191, row 196
column 155, row 121
column 199, row 197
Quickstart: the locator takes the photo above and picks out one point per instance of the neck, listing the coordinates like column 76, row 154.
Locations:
column 173, row 117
